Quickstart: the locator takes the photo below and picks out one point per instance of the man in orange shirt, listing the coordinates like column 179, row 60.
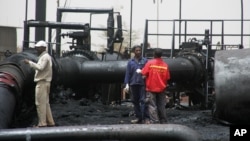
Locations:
column 156, row 73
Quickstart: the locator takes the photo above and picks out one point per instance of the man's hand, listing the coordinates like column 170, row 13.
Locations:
column 127, row 88
column 26, row 61
column 138, row 70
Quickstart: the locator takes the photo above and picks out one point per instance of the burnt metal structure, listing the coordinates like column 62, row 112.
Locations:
column 205, row 53
column 110, row 24
column 187, row 71
column 50, row 26
column 81, row 42
column 191, row 65
column 16, row 78
column 191, row 68
column 70, row 71
column 80, row 36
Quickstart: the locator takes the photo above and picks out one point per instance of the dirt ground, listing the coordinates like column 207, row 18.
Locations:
column 68, row 112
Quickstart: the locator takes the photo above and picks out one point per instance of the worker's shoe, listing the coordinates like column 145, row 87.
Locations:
column 163, row 121
column 36, row 126
column 147, row 121
column 136, row 121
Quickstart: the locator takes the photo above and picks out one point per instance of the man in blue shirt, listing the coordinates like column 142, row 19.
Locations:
column 136, row 84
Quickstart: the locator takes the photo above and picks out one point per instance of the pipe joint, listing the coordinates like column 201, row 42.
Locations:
column 9, row 80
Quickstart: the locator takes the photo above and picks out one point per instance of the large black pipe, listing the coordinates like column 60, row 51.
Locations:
column 7, row 105
column 183, row 69
column 72, row 72
column 152, row 132
column 63, row 25
column 60, row 10
column 232, row 79
column 14, row 77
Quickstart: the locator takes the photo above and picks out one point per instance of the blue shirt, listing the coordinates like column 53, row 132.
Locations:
column 131, row 76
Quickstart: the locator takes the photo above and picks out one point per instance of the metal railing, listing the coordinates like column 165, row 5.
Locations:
column 183, row 29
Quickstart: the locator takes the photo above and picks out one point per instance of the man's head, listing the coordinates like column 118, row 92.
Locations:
column 157, row 52
column 137, row 50
column 41, row 46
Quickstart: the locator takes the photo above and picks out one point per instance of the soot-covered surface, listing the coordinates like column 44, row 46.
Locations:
column 68, row 112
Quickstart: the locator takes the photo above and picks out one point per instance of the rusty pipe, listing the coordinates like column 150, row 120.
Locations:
column 173, row 132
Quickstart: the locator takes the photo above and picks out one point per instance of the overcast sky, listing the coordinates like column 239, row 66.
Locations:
column 13, row 12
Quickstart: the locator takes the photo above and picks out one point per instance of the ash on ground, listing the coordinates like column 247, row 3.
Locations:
column 69, row 111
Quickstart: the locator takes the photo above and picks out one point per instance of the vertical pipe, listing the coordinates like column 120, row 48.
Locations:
column 26, row 10
column 211, row 31
column 110, row 32
column 58, row 32
column 173, row 40
column 222, row 36
column 49, row 41
column 242, row 23
column 185, row 32
column 25, row 39
column 157, row 23
column 180, row 22
column 40, row 16
column 145, row 42
column 25, row 35
column 131, row 18
column 207, row 41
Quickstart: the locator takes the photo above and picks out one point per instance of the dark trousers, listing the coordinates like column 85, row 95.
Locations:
column 156, row 106
column 138, row 97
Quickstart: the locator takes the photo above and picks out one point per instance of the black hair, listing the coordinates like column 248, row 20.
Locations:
column 136, row 46
column 157, row 52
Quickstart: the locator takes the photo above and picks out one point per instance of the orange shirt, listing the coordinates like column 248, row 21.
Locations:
column 157, row 74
